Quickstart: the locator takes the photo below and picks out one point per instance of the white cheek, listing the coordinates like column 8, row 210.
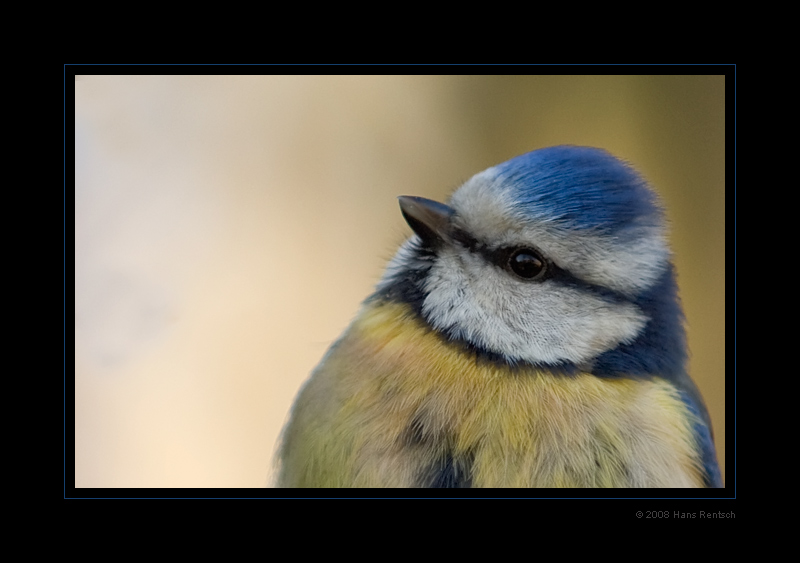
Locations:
column 535, row 322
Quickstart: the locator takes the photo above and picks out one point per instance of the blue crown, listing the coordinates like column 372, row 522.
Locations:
column 580, row 188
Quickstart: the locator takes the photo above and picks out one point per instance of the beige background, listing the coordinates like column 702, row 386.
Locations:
column 227, row 228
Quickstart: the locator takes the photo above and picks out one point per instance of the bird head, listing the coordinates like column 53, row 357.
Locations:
column 557, row 258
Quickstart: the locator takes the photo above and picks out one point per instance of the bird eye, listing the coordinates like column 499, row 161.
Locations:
column 527, row 263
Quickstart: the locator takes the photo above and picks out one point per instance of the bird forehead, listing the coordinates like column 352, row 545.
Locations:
column 484, row 210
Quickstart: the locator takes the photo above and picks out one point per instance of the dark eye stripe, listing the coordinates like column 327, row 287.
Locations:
column 467, row 240
column 500, row 257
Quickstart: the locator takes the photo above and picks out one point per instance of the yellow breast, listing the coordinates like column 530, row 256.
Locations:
column 392, row 401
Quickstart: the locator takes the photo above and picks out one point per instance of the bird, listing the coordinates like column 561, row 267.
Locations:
column 529, row 333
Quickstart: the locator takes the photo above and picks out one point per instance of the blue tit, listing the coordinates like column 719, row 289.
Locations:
column 529, row 334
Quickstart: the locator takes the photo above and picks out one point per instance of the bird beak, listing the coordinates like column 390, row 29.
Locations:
column 429, row 219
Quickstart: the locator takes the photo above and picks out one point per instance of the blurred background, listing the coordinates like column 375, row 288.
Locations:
column 227, row 229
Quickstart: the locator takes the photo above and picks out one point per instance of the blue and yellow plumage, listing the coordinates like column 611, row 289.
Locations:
column 528, row 335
